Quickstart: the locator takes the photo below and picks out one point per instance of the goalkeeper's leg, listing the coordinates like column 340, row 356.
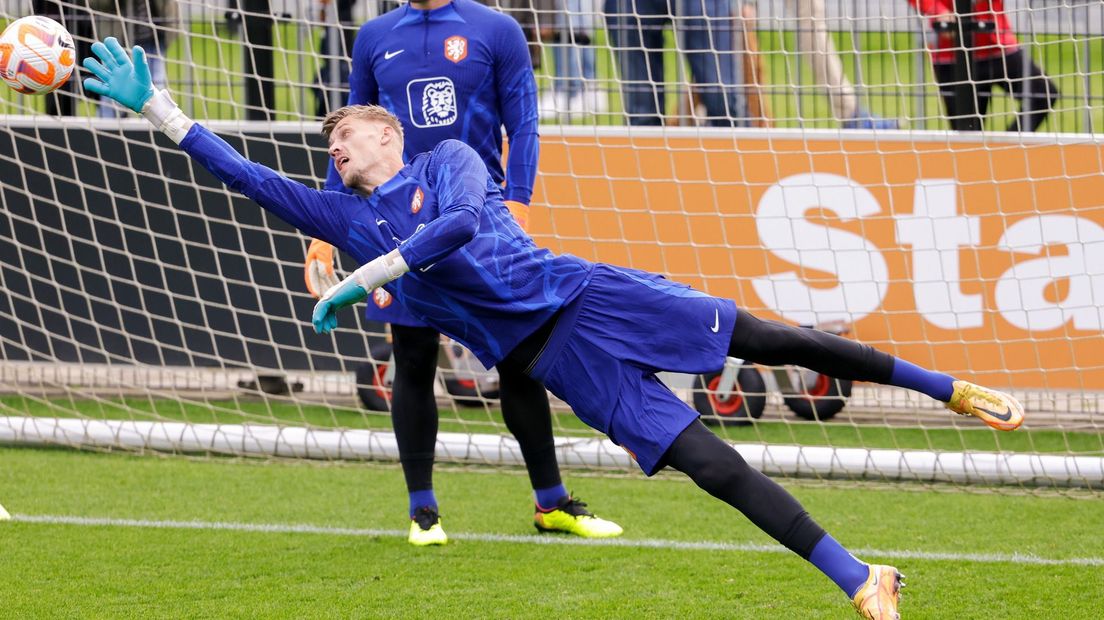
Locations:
column 773, row 344
column 719, row 470
column 528, row 417
column 414, row 419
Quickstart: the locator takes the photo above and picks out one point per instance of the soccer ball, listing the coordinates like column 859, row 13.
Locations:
column 36, row 55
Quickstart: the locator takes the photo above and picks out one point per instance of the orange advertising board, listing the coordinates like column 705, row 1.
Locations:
column 981, row 258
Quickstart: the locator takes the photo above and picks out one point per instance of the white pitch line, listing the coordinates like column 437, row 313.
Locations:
column 643, row 543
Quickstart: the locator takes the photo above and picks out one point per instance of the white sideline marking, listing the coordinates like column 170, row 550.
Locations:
column 650, row 543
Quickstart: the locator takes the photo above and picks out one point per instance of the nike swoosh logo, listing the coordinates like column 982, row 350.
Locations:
column 380, row 222
column 390, row 55
column 716, row 321
column 1003, row 417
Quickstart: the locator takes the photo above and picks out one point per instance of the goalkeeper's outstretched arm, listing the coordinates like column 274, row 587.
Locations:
column 128, row 81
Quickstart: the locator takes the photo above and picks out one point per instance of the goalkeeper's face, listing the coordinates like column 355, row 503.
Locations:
column 365, row 153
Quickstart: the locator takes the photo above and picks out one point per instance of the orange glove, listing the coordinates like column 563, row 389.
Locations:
column 318, row 270
column 520, row 212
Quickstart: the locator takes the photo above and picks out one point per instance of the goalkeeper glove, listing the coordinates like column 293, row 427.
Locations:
column 117, row 77
column 318, row 270
column 128, row 82
column 520, row 211
column 354, row 288
column 347, row 293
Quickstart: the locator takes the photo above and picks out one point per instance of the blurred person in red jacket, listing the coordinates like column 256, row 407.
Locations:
column 996, row 59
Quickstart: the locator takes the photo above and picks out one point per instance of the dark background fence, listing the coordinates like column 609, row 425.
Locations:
column 115, row 249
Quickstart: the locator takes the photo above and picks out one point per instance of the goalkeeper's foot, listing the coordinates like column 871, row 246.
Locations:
column 572, row 517
column 877, row 598
column 425, row 528
column 996, row 409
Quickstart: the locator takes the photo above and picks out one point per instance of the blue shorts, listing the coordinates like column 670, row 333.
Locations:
column 608, row 344
column 381, row 306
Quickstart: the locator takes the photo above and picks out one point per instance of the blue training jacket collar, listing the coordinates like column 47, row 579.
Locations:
column 390, row 184
column 445, row 13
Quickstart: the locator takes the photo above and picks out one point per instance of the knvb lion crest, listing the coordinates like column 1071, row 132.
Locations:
column 456, row 48
column 381, row 298
column 416, row 202
column 432, row 102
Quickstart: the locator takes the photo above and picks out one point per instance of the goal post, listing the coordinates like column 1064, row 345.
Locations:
column 142, row 304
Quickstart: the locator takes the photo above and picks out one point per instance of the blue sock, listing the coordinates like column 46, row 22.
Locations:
column 550, row 497
column 935, row 384
column 418, row 499
column 840, row 566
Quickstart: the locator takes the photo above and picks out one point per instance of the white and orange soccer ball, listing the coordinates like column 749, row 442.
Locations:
column 36, row 55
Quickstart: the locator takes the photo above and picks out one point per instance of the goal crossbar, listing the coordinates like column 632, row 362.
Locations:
column 264, row 440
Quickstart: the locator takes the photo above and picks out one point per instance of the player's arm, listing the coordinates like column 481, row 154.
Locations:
column 354, row 288
column 517, row 99
column 460, row 179
column 128, row 82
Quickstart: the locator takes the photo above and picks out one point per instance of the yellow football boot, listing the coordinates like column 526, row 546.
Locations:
column 877, row 598
column 425, row 528
column 996, row 409
column 572, row 517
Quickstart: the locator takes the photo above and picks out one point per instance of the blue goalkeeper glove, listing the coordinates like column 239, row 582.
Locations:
column 325, row 311
column 354, row 288
column 117, row 77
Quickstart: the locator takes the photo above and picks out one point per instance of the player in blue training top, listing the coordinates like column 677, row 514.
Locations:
column 455, row 70
column 436, row 233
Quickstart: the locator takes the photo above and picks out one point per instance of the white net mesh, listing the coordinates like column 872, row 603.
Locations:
column 796, row 161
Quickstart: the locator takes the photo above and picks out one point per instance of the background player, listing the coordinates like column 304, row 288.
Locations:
column 596, row 334
column 456, row 69
column 996, row 59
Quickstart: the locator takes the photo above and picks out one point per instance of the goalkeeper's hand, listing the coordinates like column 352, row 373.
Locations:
column 117, row 76
column 347, row 293
column 354, row 288
column 520, row 211
column 128, row 82
column 318, row 270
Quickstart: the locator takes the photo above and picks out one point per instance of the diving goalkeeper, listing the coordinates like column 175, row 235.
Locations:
column 436, row 234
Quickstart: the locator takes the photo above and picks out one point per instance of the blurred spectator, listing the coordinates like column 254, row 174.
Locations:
column 77, row 20
column 996, row 59
column 383, row 6
column 334, row 59
column 574, row 89
column 817, row 47
column 148, row 23
column 706, row 30
column 538, row 19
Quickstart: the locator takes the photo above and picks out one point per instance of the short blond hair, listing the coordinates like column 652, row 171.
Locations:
column 365, row 112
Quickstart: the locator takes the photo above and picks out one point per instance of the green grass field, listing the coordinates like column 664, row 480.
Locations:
column 966, row 555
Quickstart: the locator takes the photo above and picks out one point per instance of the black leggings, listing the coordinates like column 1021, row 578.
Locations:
column 1014, row 72
column 414, row 412
column 773, row 344
column 720, row 471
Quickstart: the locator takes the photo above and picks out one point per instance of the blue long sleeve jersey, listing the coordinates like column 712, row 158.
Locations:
column 475, row 275
column 461, row 71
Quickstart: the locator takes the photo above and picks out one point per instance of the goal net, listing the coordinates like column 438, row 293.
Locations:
column 793, row 156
